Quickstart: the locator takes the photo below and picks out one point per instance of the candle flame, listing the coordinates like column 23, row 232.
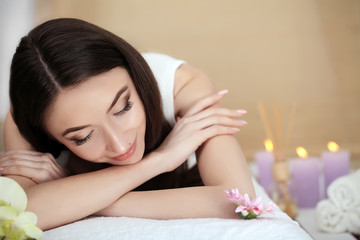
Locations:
column 301, row 152
column 332, row 146
column 268, row 145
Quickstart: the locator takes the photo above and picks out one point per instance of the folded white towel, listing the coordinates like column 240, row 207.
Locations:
column 344, row 192
column 353, row 219
column 330, row 218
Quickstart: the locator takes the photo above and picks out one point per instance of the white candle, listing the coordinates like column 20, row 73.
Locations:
column 264, row 160
column 336, row 163
column 305, row 179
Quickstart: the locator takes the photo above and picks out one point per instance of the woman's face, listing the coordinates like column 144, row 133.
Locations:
column 101, row 120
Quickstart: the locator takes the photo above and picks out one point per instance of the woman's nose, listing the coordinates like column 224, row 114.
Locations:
column 116, row 143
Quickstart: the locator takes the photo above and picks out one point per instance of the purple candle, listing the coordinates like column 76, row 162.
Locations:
column 264, row 160
column 305, row 179
column 336, row 163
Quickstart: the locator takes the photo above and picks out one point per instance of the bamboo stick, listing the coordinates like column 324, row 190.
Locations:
column 266, row 121
column 290, row 126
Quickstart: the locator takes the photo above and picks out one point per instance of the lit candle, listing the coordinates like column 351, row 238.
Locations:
column 336, row 163
column 305, row 179
column 264, row 160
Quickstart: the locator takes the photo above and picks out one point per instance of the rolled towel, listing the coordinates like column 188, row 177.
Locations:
column 330, row 218
column 345, row 191
column 353, row 218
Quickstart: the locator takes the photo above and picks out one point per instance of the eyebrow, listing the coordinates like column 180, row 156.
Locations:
column 74, row 129
column 117, row 96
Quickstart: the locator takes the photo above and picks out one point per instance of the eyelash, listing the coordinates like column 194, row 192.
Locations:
column 127, row 107
column 80, row 142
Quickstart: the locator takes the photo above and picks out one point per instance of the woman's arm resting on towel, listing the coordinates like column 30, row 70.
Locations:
column 221, row 164
column 57, row 202
column 72, row 198
column 192, row 202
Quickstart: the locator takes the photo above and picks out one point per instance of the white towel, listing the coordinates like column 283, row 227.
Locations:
column 345, row 191
column 353, row 219
column 277, row 226
column 270, row 227
column 330, row 218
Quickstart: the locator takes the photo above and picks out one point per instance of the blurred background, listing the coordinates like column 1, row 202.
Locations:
column 278, row 52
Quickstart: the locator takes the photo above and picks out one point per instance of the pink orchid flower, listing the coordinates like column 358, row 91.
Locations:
column 247, row 208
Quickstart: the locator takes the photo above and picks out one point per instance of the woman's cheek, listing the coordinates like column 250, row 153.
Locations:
column 92, row 154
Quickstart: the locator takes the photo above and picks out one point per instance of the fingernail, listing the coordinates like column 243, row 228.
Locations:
column 235, row 129
column 223, row 92
column 241, row 111
column 243, row 122
column 1, row 168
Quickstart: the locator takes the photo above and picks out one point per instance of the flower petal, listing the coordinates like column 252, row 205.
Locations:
column 12, row 193
column 25, row 218
column 244, row 212
column 7, row 213
column 32, row 231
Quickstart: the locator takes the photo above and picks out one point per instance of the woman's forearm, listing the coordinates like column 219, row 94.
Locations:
column 222, row 167
column 73, row 198
column 192, row 202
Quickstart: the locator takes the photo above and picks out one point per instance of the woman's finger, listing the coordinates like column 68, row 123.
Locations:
column 28, row 160
column 37, row 175
column 22, row 152
column 206, row 102
column 216, row 111
column 217, row 130
column 44, row 162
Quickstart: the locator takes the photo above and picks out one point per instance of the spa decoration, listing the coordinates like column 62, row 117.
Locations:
column 340, row 212
column 246, row 208
column 336, row 163
column 264, row 160
column 279, row 129
column 306, row 179
column 15, row 223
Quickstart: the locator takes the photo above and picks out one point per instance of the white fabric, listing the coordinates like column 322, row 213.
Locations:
column 276, row 226
column 345, row 191
column 164, row 68
column 353, row 221
column 341, row 212
column 329, row 218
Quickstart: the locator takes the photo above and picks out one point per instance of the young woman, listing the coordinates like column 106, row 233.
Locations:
column 130, row 121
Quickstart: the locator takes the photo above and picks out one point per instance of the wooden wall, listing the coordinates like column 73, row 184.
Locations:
column 279, row 52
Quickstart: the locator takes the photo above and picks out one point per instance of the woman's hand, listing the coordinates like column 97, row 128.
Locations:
column 202, row 122
column 40, row 167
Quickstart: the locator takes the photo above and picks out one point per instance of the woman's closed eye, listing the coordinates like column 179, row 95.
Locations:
column 81, row 141
column 127, row 107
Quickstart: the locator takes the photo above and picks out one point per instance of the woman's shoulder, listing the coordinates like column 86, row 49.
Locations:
column 191, row 84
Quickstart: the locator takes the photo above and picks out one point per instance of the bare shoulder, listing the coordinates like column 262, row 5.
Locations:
column 191, row 85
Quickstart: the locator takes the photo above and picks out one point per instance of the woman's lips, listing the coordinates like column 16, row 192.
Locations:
column 128, row 154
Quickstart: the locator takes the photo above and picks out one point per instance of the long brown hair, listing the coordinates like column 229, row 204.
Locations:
column 62, row 53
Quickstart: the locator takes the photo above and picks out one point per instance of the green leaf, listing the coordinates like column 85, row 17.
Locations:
column 12, row 193
column 249, row 216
